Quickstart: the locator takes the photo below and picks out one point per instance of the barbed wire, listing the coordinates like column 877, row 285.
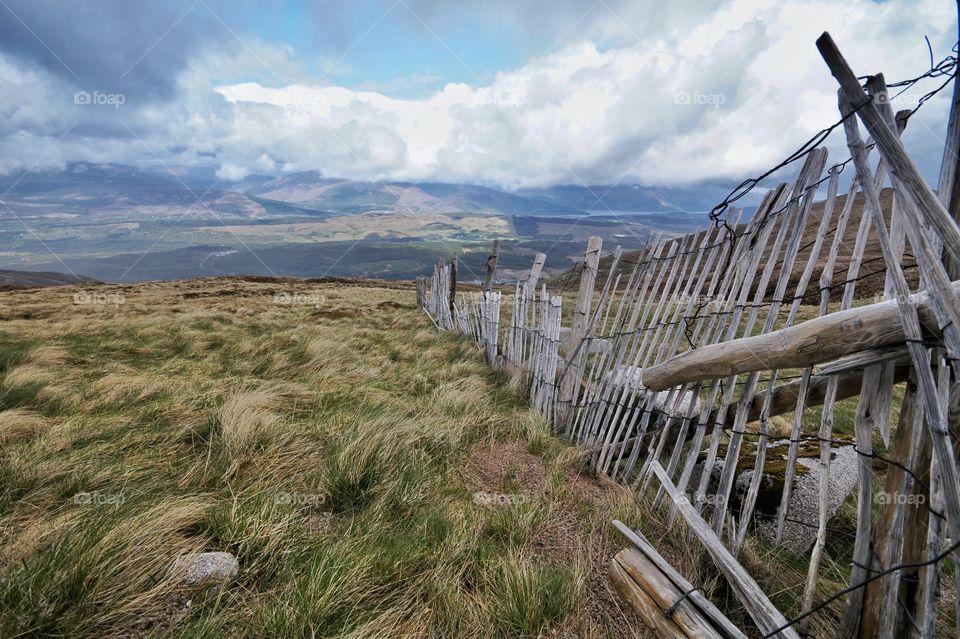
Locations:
column 946, row 67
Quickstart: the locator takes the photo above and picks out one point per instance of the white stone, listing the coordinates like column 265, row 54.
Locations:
column 800, row 529
column 207, row 568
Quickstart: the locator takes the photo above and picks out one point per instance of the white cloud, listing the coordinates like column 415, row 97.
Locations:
column 730, row 97
column 232, row 172
column 723, row 98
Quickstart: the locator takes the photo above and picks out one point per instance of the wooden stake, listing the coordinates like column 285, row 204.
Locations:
column 491, row 265
column 588, row 278
column 890, row 148
column 453, row 284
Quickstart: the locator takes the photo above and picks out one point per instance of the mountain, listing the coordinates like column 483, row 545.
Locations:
column 601, row 198
column 310, row 189
column 123, row 223
column 84, row 188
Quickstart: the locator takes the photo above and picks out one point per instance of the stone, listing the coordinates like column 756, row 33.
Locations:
column 206, row 569
column 800, row 528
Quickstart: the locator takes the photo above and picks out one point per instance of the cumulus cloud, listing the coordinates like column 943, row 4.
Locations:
column 729, row 97
column 232, row 172
column 731, row 92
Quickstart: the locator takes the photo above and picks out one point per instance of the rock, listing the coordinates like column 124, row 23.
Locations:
column 716, row 470
column 207, row 569
column 800, row 529
column 632, row 378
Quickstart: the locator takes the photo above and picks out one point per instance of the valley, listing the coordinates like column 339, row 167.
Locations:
column 117, row 223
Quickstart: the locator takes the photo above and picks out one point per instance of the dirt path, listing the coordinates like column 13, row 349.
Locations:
column 575, row 530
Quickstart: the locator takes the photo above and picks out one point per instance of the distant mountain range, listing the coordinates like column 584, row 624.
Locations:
column 121, row 223
column 105, row 188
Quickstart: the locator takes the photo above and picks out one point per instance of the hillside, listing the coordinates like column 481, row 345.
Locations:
column 10, row 280
column 312, row 190
column 870, row 278
column 321, row 432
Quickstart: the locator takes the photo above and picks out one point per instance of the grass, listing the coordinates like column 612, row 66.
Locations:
column 332, row 449
column 335, row 450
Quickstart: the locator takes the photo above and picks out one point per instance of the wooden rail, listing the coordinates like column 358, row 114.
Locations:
column 824, row 339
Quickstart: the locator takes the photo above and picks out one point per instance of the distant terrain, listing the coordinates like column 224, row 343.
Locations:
column 120, row 223
column 10, row 280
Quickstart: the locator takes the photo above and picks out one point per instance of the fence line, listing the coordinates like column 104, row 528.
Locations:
column 628, row 378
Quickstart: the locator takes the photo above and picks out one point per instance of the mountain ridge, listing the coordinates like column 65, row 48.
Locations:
column 85, row 187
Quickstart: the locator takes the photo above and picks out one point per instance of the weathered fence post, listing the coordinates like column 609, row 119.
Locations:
column 535, row 271
column 421, row 292
column 453, row 284
column 573, row 370
column 491, row 265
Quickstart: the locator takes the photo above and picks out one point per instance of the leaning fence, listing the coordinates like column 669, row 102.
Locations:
column 696, row 361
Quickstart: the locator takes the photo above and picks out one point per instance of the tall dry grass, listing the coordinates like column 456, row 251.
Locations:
column 325, row 448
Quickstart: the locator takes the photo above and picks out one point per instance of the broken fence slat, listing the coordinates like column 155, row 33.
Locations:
column 720, row 620
column 652, row 596
column 754, row 600
column 823, row 339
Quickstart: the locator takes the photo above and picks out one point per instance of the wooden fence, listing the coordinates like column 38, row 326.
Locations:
column 671, row 370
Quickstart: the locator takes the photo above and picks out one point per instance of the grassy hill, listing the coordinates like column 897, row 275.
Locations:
column 323, row 433
column 872, row 270
column 10, row 280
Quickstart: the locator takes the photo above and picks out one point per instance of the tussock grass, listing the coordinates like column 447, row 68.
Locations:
column 326, row 448
column 249, row 415
column 19, row 424
column 27, row 375
column 528, row 597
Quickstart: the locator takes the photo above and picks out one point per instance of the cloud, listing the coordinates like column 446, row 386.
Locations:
column 111, row 45
column 718, row 95
column 232, row 172
column 724, row 100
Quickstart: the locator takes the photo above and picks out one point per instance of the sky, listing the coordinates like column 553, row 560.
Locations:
column 510, row 93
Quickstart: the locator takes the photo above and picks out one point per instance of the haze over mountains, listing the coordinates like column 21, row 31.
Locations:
column 96, row 188
column 118, row 223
